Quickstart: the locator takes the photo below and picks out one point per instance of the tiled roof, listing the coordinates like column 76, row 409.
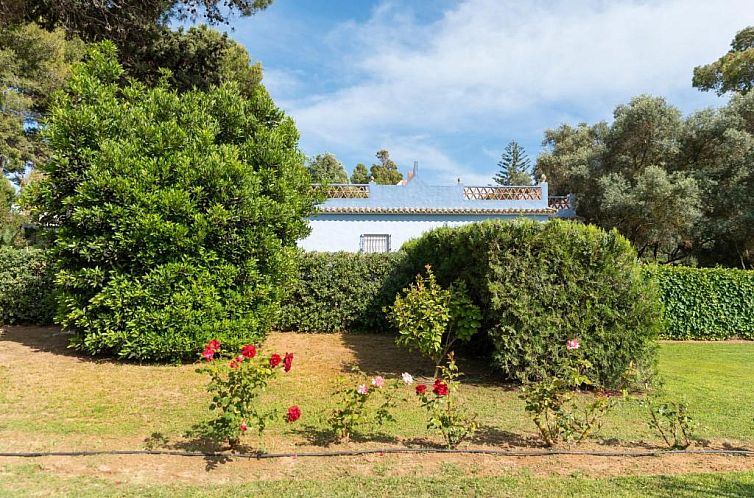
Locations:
column 432, row 210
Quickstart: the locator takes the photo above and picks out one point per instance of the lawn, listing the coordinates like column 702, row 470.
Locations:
column 52, row 399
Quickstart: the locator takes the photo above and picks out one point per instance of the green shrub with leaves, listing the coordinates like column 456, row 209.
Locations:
column 431, row 319
column 447, row 414
column 337, row 292
column 26, row 286
column 706, row 303
column 540, row 284
column 177, row 213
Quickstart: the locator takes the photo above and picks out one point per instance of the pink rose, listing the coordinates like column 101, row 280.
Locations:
column 378, row 381
column 572, row 343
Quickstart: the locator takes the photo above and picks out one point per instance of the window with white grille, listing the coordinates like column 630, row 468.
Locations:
column 371, row 242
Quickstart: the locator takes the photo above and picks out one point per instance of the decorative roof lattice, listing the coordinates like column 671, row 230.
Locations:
column 502, row 193
column 432, row 210
column 559, row 202
column 345, row 191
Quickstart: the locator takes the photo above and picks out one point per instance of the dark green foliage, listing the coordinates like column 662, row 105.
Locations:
column 325, row 168
column 360, row 174
column 706, row 303
column 540, row 284
column 178, row 214
column 26, row 287
column 340, row 292
column 199, row 57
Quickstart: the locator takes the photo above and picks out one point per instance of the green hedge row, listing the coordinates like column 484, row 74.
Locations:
column 340, row 292
column 706, row 303
column 26, row 287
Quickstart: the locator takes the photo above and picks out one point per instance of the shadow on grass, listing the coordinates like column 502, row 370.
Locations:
column 325, row 437
column 197, row 441
column 53, row 340
column 377, row 354
column 493, row 436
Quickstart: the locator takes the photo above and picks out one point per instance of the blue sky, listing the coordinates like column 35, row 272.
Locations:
column 450, row 83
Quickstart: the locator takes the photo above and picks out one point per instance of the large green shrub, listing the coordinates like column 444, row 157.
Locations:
column 339, row 292
column 706, row 303
column 540, row 284
column 26, row 286
column 177, row 214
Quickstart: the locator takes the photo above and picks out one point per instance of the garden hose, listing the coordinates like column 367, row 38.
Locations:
column 384, row 451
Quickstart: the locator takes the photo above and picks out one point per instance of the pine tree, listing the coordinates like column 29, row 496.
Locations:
column 515, row 166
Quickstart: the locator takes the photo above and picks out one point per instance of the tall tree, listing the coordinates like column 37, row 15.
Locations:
column 360, row 174
column 734, row 71
column 624, row 176
column 34, row 63
column 325, row 168
column 386, row 172
column 141, row 30
column 515, row 166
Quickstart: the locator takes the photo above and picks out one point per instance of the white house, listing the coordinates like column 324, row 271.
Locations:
column 380, row 218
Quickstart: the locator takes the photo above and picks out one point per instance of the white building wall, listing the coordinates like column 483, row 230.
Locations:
column 343, row 232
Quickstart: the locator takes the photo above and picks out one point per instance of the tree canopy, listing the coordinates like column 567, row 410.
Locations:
column 734, row 71
column 514, row 166
column 386, row 172
column 198, row 57
column 360, row 174
column 325, row 168
column 177, row 213
column 679, row 189
column 34, row 63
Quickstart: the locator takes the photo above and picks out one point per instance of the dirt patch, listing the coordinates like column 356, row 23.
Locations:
column 51, row 399
column 196, row 470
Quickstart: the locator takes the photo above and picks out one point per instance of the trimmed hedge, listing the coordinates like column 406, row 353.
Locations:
column 26, row 287
column 340, row 292
column 540, row 284
column 706, row 303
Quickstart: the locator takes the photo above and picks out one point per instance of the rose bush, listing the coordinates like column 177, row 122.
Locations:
column 236, row 381
column 552, row 405
column 362, row 405
column 446, row 415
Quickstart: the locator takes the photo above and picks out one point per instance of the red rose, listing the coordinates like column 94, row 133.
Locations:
column 440, row 388
column 421, row 389
column 275, row 360
column 244, row 427
column 233, row 364
column 208, row 354
column 294, row 413
column 288, row 361
column 214, row 345
column 249, row 351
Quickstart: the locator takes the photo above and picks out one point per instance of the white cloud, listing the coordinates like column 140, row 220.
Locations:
column 489, row 63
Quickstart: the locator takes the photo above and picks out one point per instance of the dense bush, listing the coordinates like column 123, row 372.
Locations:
column 339, row 292
column 177, row 214
column 540, row 284
column 706, row 303
column 26, row 286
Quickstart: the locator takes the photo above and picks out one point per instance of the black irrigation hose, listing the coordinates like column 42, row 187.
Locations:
column 384, row 451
